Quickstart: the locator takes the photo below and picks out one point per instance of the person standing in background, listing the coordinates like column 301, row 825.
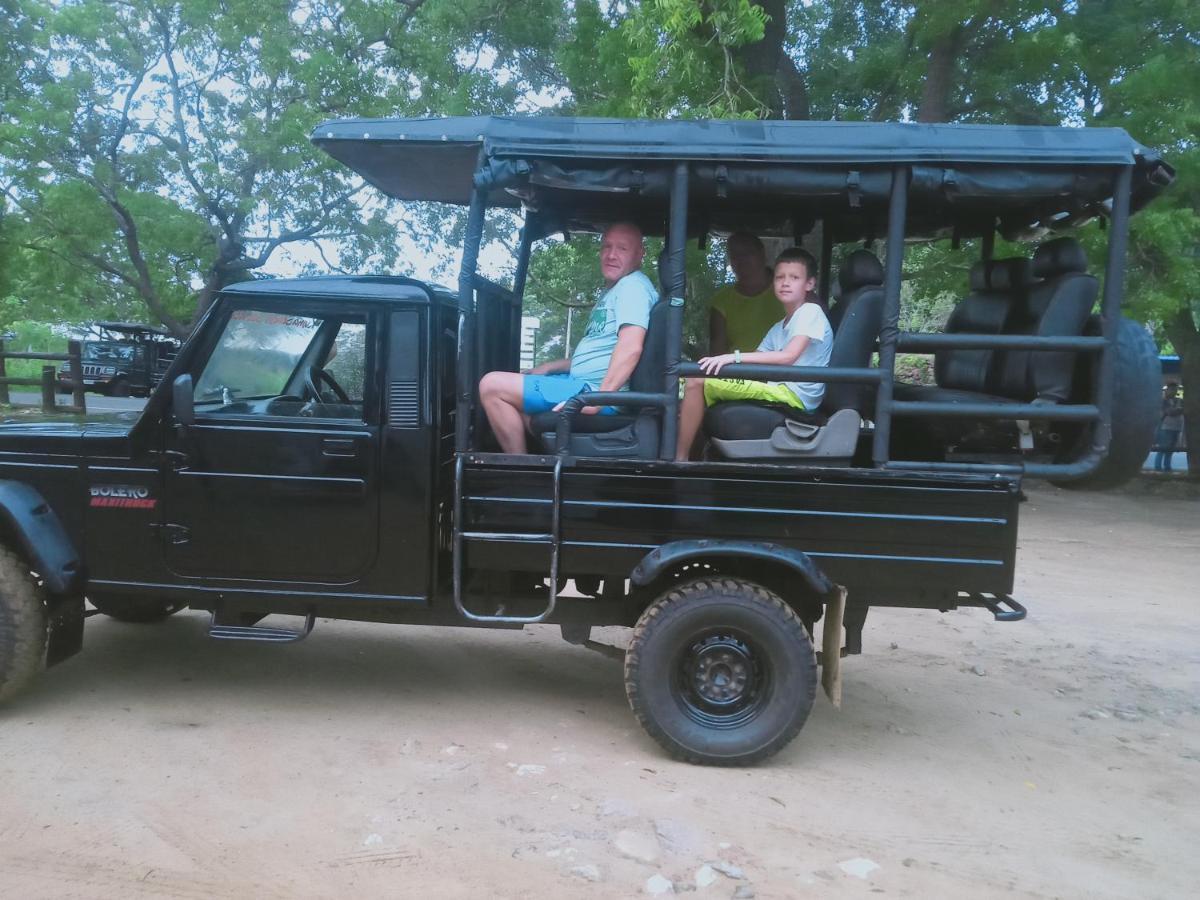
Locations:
column 742, row 313
column 1169, row 428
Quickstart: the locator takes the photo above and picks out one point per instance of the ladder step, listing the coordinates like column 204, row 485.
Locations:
column 260, row 632
column 507, row 538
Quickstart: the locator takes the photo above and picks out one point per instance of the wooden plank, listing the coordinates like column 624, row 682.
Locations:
column 24, row 382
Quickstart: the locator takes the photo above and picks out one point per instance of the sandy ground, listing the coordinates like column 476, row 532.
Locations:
column 1059, row 757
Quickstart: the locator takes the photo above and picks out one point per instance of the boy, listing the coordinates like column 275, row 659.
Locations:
column 802, row 338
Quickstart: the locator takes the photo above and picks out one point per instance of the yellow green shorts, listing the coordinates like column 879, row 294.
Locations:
column 721, row 390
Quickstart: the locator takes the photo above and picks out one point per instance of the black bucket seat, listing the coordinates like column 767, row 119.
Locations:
column 633, row 433
column 828, row 435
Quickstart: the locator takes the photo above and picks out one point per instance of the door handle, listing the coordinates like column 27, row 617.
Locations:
column 341, row 448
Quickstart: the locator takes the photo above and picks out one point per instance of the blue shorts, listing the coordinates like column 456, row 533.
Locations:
column 544, row 392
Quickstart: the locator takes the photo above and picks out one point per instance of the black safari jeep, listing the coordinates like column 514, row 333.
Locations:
column 317, row 449
column 124, row 360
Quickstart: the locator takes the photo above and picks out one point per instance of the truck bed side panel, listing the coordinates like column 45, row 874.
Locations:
column 866, row 529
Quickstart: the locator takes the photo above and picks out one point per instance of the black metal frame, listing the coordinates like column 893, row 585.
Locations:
column 891, row 341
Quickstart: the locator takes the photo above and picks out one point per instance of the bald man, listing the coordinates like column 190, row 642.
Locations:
column 603, row 360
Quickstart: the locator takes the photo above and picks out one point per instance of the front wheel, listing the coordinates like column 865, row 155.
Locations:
column 721, row 671
column 22, row 625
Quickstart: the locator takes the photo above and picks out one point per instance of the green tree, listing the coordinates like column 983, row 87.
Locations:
column 163, row 146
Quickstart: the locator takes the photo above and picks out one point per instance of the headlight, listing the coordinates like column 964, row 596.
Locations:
column 110, row 370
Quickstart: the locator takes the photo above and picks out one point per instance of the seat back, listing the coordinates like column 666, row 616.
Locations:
column 860, row 315
column 994, row 306
column 651, row 367
column 1059, row 305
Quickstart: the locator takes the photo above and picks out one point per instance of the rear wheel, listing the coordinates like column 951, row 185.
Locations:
column 721, row 671
column 138, row 610
column 22, row 625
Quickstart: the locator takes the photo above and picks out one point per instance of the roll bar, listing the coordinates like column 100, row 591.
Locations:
column 891, row 339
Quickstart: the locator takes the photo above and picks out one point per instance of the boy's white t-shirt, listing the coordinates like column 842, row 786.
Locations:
column 808, row 321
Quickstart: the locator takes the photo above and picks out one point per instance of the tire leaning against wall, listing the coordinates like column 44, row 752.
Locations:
column 22, row 625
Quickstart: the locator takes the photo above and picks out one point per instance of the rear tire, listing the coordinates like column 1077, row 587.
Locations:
column 1137, row 402
column 721, row 671
column 136, row 610
column 22, row 626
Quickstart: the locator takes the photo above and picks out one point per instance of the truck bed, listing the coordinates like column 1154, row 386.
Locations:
column 906, row 539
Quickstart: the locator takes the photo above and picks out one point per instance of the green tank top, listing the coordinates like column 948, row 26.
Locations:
column 747, row 319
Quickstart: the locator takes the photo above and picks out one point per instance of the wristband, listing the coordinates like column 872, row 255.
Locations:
column 737, row 356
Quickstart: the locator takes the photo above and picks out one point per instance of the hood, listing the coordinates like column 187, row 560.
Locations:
column 63, row 435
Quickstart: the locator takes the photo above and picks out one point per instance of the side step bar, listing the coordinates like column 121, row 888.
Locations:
column 260, row 632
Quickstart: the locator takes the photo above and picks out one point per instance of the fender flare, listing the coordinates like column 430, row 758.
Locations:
column 42, row 537
column 668, row 556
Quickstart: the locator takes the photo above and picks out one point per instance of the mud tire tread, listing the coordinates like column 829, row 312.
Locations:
column 687, row 593
column 23, row 628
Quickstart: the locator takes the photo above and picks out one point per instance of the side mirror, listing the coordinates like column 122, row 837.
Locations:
column 183, row 400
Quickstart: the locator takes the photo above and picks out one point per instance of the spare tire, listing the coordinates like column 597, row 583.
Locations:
column 1137, row 403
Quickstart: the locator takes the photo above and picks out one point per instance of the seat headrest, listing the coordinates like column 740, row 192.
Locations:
column 1001, row 274
column 1058, row 257
column 860, row 268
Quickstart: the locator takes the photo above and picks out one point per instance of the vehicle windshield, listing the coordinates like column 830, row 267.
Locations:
column 109, row 352
column 256, row 356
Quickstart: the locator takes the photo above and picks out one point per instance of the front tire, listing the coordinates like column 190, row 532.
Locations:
column 22, row 626
column 137, row 610
column 720, row 671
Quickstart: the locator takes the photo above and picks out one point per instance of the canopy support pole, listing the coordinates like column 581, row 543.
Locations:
column 520, row 276
column 465, row 372
column 1110, row 305
column 677, row 283
column 825, row 279
column 889, row 334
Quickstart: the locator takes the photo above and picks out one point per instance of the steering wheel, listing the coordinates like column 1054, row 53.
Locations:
column 313, row 379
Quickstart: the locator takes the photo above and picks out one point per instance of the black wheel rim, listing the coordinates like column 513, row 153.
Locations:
column 721, row 679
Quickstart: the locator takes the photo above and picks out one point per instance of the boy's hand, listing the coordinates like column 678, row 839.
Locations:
column 712, row 365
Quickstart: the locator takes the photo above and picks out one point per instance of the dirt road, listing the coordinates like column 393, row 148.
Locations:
column 1055, row 757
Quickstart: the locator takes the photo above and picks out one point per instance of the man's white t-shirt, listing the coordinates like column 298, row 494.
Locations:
column 808, row 321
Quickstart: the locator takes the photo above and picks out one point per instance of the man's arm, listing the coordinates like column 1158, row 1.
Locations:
column 551, row 368
column 630, row 340
column 718, row 335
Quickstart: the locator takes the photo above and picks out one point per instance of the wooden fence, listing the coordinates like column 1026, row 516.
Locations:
column 49, row 380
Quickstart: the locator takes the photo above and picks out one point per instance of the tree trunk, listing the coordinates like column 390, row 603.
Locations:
column 770, row 73
column 939, row 77
column 1182, row 331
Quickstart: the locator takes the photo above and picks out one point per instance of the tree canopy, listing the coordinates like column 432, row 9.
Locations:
column 152, row 151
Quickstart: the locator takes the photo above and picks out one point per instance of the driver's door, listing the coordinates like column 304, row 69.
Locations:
column 277, row 479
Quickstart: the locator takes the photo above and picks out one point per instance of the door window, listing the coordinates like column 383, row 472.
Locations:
column 347, row 362
column 269, row 363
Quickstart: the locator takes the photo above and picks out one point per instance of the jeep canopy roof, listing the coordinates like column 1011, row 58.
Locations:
column 770, row 176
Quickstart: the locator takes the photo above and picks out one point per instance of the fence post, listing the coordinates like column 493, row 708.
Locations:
column 48, row 403
column 3, row 375
column 77, row 397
